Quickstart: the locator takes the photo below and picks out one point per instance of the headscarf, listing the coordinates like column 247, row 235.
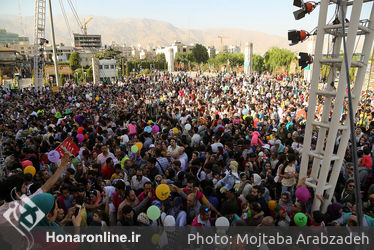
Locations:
column 333, row 212
column 286, row 205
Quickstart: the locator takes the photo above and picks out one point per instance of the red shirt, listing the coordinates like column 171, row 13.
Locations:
column 107, row 172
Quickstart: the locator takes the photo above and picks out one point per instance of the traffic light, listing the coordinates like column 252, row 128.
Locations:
column 306, row 8
column 305, row 59
column 296, row 36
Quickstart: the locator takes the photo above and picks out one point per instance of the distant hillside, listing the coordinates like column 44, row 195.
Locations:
column 149, row 32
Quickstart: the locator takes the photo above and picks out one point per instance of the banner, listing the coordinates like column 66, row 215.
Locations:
column 67, row 146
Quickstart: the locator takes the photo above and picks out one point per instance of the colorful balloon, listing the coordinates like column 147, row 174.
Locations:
column 162, row 192
column 175, row 130
column 29, row 169
column 134, row 149
column 187, row 127
column 80, row 130
column 53, row 156
column 148, row 129
column 97, row 98
column 139, row 145
column 80, row 137
column 300, row 219
column 302, row 194
column 245, row 111
column 272, row 204
column 26, row 163
column 153, row 212
column 222, row 222
column 155, row 129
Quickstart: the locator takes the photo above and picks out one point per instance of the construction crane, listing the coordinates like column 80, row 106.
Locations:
column 222, row 37
column 84, row 26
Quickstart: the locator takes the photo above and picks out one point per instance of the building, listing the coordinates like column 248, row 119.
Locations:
column 23, row 46
column 63, row 53
column 233, row 49
column 87, row 41
column 6, row 37
column 104, row 70
column 177, row 47
column 85, row 57
column 211, row 51
column 8, row 61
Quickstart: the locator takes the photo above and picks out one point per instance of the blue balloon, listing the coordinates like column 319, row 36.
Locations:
column 148, row 129
column 245, row 111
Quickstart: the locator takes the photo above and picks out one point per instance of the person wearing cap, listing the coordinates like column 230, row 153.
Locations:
column 203, row 218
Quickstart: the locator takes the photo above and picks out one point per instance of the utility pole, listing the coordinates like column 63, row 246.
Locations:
column 54, row 45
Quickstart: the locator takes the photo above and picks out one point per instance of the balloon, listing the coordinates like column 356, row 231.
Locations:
column 134, row 149
column 90, row 94
column 222, row 222
column 26, row 163
column 53, row 156
column 155, row 129
column 175, row 130
column 80, row 130
column 148, row 129
column 155, row 239
column 80, row 137
column 169, row 221
column 162, row 191
column 87, row 96
column 70, row 98
column 139, row 145
column 90, row 98
column 30, row 169
column 153, row 212
column 150, row 122
column 68, row 112
column 78, row 105
column 245, row 111
column 302, row 194
column 300, row 219
column 272, row 204
column 187, row 127
column 124, row 159
column 97, row 98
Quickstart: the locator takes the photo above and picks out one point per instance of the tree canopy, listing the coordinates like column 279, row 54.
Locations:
column 74, row 60
column 276, row 57
column 200, row 53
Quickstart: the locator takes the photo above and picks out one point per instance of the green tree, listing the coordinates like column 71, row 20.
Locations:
column 161, row 57
column 258, row 63
column 200, row 53
column 276, row 57
column 111, row 53
column 74, row 60
column 89, row 76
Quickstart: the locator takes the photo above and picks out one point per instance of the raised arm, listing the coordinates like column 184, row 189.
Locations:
column 65, row 161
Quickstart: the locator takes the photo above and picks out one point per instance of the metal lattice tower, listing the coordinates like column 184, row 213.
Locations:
column 327, row 162
column 39, row 33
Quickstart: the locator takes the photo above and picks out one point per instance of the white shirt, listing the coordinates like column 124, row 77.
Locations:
column 135, row 184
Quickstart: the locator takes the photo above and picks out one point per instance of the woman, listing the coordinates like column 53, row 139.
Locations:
column 289, row 175
column 286, row 202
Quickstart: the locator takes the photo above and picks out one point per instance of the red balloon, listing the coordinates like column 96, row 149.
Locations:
column 26, row 163
column 80, row 130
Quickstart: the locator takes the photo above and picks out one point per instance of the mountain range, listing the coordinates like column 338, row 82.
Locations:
column 148, row 33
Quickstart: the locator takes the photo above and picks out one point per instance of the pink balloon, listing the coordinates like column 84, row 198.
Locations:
column 155, row 129
column 26, row 163
column 80, row 137
column 302, row 194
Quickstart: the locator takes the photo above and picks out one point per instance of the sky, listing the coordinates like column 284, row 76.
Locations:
column 269, row 16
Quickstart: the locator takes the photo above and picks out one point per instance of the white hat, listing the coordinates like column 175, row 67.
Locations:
column 266, row 146
column 236, row 114
column 275, row 130
column 152, row 146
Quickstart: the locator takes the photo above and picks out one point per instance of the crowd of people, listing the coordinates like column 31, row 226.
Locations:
column 225, row 146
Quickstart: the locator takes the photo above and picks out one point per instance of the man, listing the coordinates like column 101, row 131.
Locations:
column 216, row 144
column 65, row 200
column 173, row 148
column 256, row 196
column 203, row 219
column 101, row 158
column 152, row 170
column 108, row 170
column 162, row 163
column 138, row 181
column 129, row 213
column 230, row 202
column 130, row 200
column 148, row 190
column 183, row 158
column 196, row 138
